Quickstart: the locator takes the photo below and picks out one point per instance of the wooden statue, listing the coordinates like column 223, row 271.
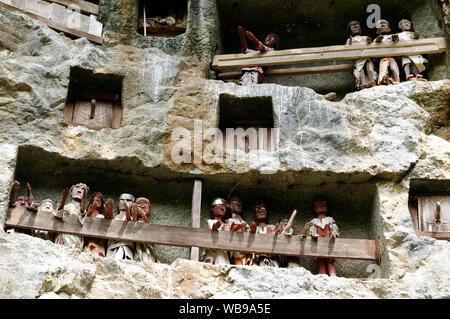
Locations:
column 412, row 65
column 97, row 209
column 255, row 75
column 78, row 194
column 122, row 249
column 323, row 226
column 140, row 212
column 260, row 226
column 45, row 207
column 363, row 70
column 217, row 222
column 237, row 224
column 389, row 72
column 22, row 201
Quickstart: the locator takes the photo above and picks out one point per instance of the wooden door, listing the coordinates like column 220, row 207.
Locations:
column 103, row 116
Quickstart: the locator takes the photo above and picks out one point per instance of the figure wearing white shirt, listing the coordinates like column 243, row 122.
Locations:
column 363, row 69
column 323, row 226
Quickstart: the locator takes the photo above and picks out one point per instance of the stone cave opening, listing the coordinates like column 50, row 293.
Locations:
column 166, row 18
column 429, row 206
column 352, row 205
column 312, row 23
column 94, row 99
column 248, row 113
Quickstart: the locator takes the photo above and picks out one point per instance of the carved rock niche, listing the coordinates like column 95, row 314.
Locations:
column 254, row 115
column 162, row 18
column 429, row 206
column 94, row 100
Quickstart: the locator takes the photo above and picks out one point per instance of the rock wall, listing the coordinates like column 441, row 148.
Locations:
column 366, row 152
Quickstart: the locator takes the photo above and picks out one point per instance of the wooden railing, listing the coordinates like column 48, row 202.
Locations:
column 323, row 54
column 76, row 18
column 340, row 248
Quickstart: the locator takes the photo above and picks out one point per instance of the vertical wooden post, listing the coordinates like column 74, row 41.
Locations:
column 145, row 22
column 196, row 208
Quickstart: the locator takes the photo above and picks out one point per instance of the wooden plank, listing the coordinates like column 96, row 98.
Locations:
column 334, row 48
column 84, row 6
column 333, row 53
column 340, row 248
column 196, row 209
column 117, row 116
column 95, row 27
column 56, row 26
column 68, row 112
column 294, row 71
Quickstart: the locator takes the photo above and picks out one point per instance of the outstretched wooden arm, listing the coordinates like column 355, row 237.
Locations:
column 138, row 212
column 29, row 200
column 242, row 37
column 259, row 45
column 62, row 202
column 14, row 193
column 84, row 200
column 29, row 195
column 127, row 213
column 108, row 209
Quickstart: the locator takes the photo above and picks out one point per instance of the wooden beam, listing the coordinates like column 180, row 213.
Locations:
column 293, row 71
column 341, row 248
column 85, row 7
column 56, row 26
column 196, row 209
column 329, row 53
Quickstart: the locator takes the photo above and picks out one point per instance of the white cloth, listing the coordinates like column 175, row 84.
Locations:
column 418, row 60
column 72, row 241
column 359, row 64
column 322, row 223
column 215, row 257
column 118, row 249
column 145, row 252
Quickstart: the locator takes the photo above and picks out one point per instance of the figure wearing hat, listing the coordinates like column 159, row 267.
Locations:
column 217, row 222
column 122, row 249
column 363, row 69
column 389, row 72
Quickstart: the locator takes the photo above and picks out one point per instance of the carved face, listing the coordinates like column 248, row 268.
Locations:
column 46, row 207
column 21, row 201
column 123, row 203
column 219, row 210
column 320, row 206
column 145, row 206
column 260, row 212
column 98, row 200
column 355, row 29
column 405, row 25
column 270, row 41
column 235, row 205
column 383, row 27
column 77, row 191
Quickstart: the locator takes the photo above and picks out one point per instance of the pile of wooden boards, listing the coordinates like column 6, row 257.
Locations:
column 76, row 18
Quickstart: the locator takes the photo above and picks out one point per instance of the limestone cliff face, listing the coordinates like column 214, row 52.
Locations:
column 368, row 152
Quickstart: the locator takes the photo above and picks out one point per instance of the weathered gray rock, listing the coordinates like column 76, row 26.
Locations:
column 366, row 151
